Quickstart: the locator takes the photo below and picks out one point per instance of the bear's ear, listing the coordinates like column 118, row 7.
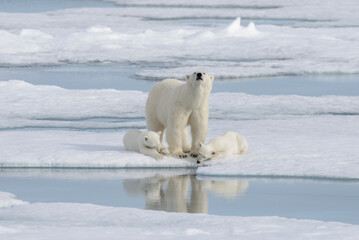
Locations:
column 200, row 144
column 211, row 77
column 159, row 133
column 187, row 77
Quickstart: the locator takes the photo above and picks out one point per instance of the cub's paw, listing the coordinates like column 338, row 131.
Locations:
column 164, row 151
column 159, row 157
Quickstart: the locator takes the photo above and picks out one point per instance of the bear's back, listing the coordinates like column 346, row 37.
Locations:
column 158, row 98
column 238, row 143
column 168, row 84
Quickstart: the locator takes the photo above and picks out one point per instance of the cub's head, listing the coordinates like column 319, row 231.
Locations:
column 205, row 153
column 200, row 78
column 151, row 140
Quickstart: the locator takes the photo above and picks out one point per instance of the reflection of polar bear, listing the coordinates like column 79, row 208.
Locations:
column 172, row 193
column 173, row 104
column 227, row 188
column 147, row 142
column 230, row 143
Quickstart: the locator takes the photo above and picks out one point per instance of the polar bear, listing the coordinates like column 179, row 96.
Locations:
column 230, row 143
column 173, row 105
column 147, row 142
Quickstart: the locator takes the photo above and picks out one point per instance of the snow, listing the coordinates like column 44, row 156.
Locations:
column 47, row 126
column 322, row 40
column 88, row 221
column 9, row 200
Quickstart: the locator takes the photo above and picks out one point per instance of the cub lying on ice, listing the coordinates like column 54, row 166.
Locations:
column 147, row 143
column 230, row 143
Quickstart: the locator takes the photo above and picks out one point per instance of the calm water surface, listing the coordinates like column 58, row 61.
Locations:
column 183, row 191
column 123, row 77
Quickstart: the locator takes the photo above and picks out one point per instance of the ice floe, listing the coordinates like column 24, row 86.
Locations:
column 88, row 221
column 230, row 50
column 288, row 135
column 9, row 200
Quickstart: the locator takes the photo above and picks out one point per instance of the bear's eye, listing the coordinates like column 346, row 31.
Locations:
column 213, row 153
column 204, row 73
column 146, row 138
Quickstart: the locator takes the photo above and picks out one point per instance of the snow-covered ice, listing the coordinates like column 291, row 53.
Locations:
column 9, row 200
column 287, row 135
column 323, row 41
column 88, row 221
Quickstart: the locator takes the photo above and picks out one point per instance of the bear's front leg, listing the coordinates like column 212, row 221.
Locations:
column 199, row 128
column 176, row 123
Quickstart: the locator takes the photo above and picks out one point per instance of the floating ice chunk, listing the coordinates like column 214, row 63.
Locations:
column 235, row 26
column 8, row 200
column 236, row 30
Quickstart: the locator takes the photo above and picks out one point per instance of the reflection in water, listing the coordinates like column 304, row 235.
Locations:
column 172, row 193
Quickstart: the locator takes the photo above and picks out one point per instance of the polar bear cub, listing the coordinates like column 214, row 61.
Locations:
column 230, row 143
column 147, row 142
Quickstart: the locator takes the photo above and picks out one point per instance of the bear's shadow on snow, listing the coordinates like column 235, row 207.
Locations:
column 96, row 147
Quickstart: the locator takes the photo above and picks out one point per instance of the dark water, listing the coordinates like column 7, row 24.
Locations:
column 183, row 191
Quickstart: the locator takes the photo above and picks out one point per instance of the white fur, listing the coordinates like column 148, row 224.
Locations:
column 147, row 143
column 173, row 105
column 230, row 143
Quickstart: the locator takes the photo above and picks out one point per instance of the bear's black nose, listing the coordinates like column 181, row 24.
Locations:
column 198, row 162
column 199, row 75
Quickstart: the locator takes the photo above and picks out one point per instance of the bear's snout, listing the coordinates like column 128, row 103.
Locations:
column 199, row 76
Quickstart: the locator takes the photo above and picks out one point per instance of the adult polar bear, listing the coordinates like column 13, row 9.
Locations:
column 173, row 105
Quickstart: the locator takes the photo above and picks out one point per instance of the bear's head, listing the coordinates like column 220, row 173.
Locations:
column 206, row 153
column 200, row 78
column 151, row 140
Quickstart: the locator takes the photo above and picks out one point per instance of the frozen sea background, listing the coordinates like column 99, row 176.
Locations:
column 74, row 76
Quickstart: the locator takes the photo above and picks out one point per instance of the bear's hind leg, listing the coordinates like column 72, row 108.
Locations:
column 176, row 123
column 199, row 128
column 174, row 140
column 186, row 147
